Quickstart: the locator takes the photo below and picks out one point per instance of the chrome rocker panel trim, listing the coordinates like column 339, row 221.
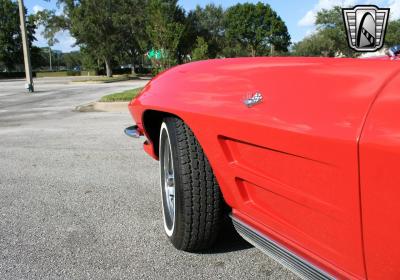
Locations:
column 298, row 265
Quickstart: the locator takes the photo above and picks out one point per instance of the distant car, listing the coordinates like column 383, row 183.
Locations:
column 304, row 151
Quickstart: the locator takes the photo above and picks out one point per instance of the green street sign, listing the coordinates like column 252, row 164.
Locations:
column 156, row 54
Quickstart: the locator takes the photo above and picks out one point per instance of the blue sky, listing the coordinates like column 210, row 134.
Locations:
column 298, row 14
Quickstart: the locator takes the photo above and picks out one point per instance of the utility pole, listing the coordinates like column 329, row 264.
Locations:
column 25, row 47
column 51, row 66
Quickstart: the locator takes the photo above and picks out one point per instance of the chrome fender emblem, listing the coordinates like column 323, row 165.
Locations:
column 253, row 99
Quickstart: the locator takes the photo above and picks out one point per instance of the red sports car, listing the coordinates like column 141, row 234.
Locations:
column 304, row 151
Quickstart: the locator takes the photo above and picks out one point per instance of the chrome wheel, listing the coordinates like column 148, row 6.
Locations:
column 167, row 181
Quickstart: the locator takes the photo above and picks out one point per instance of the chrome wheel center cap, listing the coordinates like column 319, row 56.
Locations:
column 170, row 182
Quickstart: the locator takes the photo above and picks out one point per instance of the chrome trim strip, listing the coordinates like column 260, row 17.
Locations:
column 132, row 131
column 298, row 265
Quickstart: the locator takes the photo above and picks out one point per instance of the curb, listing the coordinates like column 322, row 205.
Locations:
column 103, row 107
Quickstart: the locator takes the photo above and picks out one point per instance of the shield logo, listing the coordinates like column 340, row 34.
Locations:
column 366, row 27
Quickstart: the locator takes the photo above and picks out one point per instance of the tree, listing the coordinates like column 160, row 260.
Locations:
column 200, row 52
column 54, row 23
column 164, row 30
column 392, row 37
column 121, row 30
column 93, row 23
column 256, row 27
column 330, row 38
column 314, row 45
column 131, row 21
column 72, row 59
column 89, row 60
column 187, row 40
column 330, row 26
column 208, row 23
column 39, row 57
column 10, row 34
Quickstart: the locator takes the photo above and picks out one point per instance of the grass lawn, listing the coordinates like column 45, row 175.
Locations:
column 121, row 96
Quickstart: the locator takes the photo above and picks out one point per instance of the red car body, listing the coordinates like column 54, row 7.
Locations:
column 314, row 166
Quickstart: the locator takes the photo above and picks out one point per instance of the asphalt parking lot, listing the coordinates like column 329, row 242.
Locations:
column 80, row 200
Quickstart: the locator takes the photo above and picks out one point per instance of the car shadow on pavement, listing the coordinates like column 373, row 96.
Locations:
column 228, row 240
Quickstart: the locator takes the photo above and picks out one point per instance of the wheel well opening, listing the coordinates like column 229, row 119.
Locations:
column 152, row 121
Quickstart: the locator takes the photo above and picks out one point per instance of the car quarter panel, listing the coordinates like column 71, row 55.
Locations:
column 380, row 184
column 288, row 166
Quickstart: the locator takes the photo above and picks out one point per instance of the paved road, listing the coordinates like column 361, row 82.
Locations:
column 79, row 200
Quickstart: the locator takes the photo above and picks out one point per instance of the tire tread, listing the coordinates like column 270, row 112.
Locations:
column 201, row 194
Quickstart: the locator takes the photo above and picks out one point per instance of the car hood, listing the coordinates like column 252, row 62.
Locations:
column 267, row 69
column 292, row 88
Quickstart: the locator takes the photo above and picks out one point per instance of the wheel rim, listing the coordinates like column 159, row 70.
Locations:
column 168, row 185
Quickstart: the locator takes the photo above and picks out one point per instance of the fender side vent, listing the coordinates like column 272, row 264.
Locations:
column 301, row 267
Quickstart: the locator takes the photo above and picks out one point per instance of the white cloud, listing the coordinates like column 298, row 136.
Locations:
column 394, row 6
column 37, row 8
column 309, row 18
column 40, row 40
column 310, row 32
column 66, row 41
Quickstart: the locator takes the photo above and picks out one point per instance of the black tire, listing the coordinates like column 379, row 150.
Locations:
column 194, row 223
